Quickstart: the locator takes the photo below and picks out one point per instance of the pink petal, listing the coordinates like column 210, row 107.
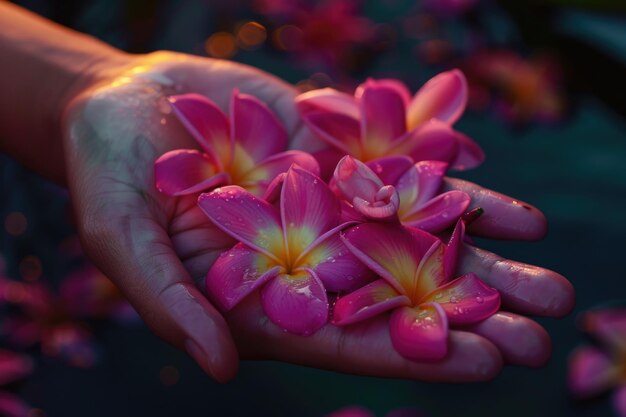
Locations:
column 390, row 168
column 355, row 179
column 383, row 116
column 430, row 271
column 466, row 300
column 339, row 131
column 296, row 303
column 433, row 140
column 608, row 326
column 186, row 171
column 383, row 208
column 206, row 123
column 246, row 218
column 237, row 273
column 259, row 178
column 470, row 154
column 330, row 100
column 439, row 213
column 391, row 251
column 443, row 97
column 308, row 209
column 366, row 302
column 420, row 333
column 453, row 249
column 328, row 159
column 419, row 184
column 13, row 366
column 336, row 267
column 591, row 372
column 13, row 406
column 619, row 401
column 255, row 128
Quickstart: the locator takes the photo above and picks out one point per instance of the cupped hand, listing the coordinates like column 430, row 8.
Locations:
column 157, row 249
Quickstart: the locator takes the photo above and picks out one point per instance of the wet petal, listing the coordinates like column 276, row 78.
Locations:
column 206, row 123
column 469, row 155
column 383, row 116
column 336, row 266
column 384, row 207
column 420, row 333
column 237, row 273
column 259, row 178
column 430, row 272
column 591, row 372
column 453, row 249
column 433, row 140
column 246, row 218
column 308, row 209
column 390, row 168
column 296, row 303
column 439, row 213
column 391, row 251
column 330, row 100
column 466, row 300
column 366, row 302
column 355, row 179
column 443, row 97
column 186, row 171
column 339, row 131
column 255, row 127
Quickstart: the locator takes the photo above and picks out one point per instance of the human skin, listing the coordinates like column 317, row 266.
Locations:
column 93, row 118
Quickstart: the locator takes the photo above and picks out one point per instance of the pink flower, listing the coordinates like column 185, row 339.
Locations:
column 248, row 150
column 595, row 370
column 401, row 191
column 383, row 120
column 292, row 253
column 416, row 269
column 13, row 367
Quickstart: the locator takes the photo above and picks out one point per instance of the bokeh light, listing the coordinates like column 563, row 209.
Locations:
column 221, row 45
column 15, row 223
column 251, row 35
column 30, row 268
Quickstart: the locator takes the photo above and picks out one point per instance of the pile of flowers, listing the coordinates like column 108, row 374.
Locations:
column 361, row 232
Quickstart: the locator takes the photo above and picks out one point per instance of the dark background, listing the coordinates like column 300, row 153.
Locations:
column 571, row 168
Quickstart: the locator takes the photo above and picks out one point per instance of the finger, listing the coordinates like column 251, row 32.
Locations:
column 521, row 341
column 503, row 217
column 136, row 253
column 363, row 349
column 525, row 289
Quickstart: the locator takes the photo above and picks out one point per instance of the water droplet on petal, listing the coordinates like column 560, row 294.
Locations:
column 479, row 299
column 454, row 300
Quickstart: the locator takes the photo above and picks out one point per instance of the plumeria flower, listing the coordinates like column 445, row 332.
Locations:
column 382, row 120
column 248, row 150
column 416, row 270
column 594, row 370
column 292, row 253
column 401, row 191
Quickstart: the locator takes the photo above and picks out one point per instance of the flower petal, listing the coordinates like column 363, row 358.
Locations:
column 390, row 168
column 469, row 155
column 186, row 171
column 433, row 140
column 13, row 366
column 206, row 123
column 339, row 131
column 259, row 178
column 392, row 251
column 443, row 97
column 427, row 177
column 337, row 268
column 352, row 178
column 439, row 213
column 430, row 273
column 330, row 100
column 366, row 302
column 237, row 273
column 591, row 372
column 296, row 303
column 246, row 218
column 466, row 300
column 383, row 117
column 608, row 326
column 619, row 400
column 308, row 209
column 420, row 333
column 453, row 249
column 255, row 128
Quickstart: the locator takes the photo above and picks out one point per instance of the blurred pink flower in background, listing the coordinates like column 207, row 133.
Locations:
column 13, row 367
column 594, row 370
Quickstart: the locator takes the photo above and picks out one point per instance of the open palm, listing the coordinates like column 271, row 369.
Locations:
column 158, row 249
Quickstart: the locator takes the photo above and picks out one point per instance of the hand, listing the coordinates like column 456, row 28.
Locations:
column 113, row 133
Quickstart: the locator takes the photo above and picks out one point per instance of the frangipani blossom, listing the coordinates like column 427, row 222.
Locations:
column 401, row 191
column 292, row 253
column 248, row 150
column 416, row 270
column 595, row 370
column 383, row 120
column 13, row 367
